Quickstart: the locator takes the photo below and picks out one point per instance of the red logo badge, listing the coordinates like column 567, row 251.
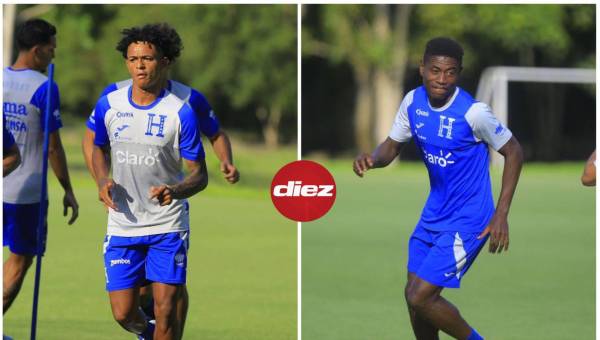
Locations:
column 303, row 191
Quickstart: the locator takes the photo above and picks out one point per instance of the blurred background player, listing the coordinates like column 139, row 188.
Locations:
column 11, row 157
column 148, row 131
column 24, row 104
column 452, row 132
column 209, row 126
column 589, row 171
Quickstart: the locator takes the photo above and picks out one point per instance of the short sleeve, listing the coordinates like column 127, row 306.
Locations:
column 101, row 136
column 400, row 131
column 207, row 120
column 91, row 121
column 486, row 126
column 39, row 100
column 190, row 143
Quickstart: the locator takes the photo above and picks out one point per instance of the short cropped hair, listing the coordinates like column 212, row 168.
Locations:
column 443, row 46
column 34, row 32
column 162, row 36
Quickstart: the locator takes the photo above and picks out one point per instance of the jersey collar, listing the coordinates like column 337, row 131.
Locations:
column 447, row 105
column 145, row 107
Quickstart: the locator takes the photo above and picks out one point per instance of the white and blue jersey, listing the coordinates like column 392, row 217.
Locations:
column 7, row 137
column 209, row 124
column 453, row 142
column 24, row 105
column 147, row 145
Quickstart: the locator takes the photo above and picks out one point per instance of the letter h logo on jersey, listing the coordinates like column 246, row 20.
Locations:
column 447, row 127
column 152, row 124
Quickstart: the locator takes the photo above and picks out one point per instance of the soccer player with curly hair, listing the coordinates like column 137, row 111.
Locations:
column 145, row 132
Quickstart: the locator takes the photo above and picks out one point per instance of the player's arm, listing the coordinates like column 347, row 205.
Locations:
column 193, row 183
column 222, row 148
column 100, row 155
column 58, row 162
column 11, row 159
column 383, row 155
column 589, row 172
column 101, row 169
column 391, row 147
column 498, row 226
column 87, row 146
column 209, row 126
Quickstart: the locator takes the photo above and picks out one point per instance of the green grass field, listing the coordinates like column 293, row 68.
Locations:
column 354, row 259
column 242, row 272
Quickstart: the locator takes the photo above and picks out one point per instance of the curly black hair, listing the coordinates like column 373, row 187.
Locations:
column 162, row 36
column 443, row 46
column 34, row 32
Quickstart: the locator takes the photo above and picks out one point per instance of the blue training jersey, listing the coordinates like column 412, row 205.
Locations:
column 23, row 107
column 147, row 144
column 207, row 120
column 453, row 143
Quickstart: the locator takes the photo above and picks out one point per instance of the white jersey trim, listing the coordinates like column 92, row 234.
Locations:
column 447, row 105
column 486, row 127
column 400, row 131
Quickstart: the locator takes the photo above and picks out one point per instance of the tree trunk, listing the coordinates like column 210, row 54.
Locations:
column 10, row 11
column 388, row 81
column 270, row 120
column 363, row 111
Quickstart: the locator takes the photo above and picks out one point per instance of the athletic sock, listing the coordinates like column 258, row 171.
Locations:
column 148, row 333
column 474, row 335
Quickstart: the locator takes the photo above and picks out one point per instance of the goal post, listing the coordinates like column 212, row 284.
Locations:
column 493, row 86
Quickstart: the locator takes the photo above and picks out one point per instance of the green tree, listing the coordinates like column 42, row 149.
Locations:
column 243, row 54
column 373, row 40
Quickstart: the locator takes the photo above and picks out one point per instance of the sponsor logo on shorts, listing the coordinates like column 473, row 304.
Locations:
column 179, row 258
column 119, row 261
column 449, row 274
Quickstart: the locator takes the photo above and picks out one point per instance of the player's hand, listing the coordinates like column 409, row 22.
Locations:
column 498, row 230
column 163, row 193
column 105, row 187
column 230, row 172
column 362, row 163
column 70, row 201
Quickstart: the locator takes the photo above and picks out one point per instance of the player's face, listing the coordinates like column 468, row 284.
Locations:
column 45, row 53
column 145, row 65
column 440, row 74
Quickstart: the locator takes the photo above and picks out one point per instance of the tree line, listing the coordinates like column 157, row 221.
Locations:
column 242, row 57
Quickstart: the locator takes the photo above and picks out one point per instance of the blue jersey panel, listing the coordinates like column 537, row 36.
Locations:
column 101, row 137
column 461, row 197
column 209, row 125
column 39, row 100
column 190, row 144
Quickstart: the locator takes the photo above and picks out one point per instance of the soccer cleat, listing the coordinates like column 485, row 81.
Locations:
column 148, row 334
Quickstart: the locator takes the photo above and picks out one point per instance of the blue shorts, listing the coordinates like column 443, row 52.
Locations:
column 19, row 228
column 442, row 257
column 132, row 261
